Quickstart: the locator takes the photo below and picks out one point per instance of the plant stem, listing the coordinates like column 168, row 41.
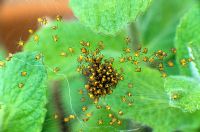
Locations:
column 58, row 105
column 134, row 35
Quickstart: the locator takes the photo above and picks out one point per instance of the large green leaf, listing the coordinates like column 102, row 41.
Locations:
column 22, row 95
column 184, row 93
column 158, row 25
column 108, row 16
column 150, row 102
column 69, row 35
column 188, row 37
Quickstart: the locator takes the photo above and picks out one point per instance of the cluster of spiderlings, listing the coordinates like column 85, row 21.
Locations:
column 135, row 57
column 156, row 59
column 101, row 77
column 113, row 119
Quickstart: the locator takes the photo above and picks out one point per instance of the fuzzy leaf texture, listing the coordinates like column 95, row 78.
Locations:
column 108, row 16
column 184, row 93
column 188, row 37
column 22, row 97
column 150, row 103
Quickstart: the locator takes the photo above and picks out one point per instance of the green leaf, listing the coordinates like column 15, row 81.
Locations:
column 158, row 25
column 22, row 97
column 108, row 16
column 69, row 35
column 150, row 102
column 188, row 36
column 195, row 50
column 184, row 93
column 93, row 123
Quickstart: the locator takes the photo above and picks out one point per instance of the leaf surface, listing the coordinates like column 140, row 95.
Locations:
column 108, row 16
column 69, row 35
column 22, row 97
column 187, row 37
column 183, row 93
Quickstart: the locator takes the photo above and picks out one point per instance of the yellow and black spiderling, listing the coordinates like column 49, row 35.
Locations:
column 101, row 77
column 2, row 64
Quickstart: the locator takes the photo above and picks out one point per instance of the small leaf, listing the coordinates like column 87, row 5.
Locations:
column 22, row 94
column 108, row 16
column 187, row 36
column 184, row 93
